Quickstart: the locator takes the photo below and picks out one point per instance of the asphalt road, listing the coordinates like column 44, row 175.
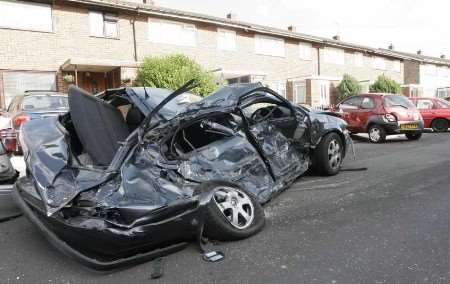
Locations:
column 389, row 224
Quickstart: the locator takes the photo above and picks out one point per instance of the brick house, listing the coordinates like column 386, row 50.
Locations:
column 100, row 44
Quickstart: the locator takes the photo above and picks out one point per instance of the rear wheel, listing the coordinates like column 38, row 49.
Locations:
column 377, row 134
column 328, row 156
column 439, row 125
column 413, row 135
column 233, row 213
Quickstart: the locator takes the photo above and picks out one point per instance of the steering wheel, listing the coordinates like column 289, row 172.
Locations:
column 263, row 113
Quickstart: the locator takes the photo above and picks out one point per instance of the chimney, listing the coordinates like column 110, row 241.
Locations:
column 443, row 56
column 292, row 28
column 419, row 52
column 336, row 37
column 391, row 46
column 231, row 16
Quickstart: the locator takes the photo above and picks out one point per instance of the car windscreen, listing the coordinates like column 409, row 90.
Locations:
column 443, row 103
column 41, row 103
column 397, row 101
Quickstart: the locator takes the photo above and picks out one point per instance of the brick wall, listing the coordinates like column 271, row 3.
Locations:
column 412, row 72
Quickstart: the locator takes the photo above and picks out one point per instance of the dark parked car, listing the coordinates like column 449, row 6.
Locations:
column 435, row 113
column 380, row 115
column 8, row 176
column 111, row 191
column 32, row 105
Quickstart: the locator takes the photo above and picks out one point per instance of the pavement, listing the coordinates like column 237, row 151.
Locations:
column 388, row 224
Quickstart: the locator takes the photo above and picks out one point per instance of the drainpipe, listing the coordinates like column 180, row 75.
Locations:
column 318, row 61
column 76, row 76
column 134, row 39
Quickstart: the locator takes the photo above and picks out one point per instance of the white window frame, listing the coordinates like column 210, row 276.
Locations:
column 22, row 17
column 358, row 59
column 430, row 69
column 396, row 66
column 305, row 50
column 296, row 95
column 180, row 39
column 223, row 43
column 105, row 19
column 379, row 63
column 334, row 55
column 260, row 40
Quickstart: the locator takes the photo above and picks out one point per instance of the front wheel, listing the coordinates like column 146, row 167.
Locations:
column 328, row 156
column 377, row 134
column 413, row 135
column 233, row 213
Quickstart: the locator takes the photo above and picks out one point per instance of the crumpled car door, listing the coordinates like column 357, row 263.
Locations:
column 281, row 141
column 233, row 159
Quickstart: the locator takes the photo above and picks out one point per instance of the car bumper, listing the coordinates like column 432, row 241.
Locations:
column 396, row 127
column 100, row 245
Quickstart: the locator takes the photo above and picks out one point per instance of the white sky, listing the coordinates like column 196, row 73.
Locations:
column 408, row 24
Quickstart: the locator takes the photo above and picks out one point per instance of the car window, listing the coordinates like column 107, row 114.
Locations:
column 368, row 103
column 424, row 104
column 263, row 106
column 352, row 103
column 33, row 103
column 397, row 101
column 442, row 103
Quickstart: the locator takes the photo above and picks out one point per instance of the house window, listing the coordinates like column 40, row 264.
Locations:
column 236, row 80
column 443, row 93
column 226, row 39
column 279, row 87
column 379, row 63
column 305, row 50
column 299, row 93
column 269, row 46
column 396, row 66
column 358, row 59
column 430, row 69
column 169, row 32
column 26, row 16
column 334, row 55
column 103, row 25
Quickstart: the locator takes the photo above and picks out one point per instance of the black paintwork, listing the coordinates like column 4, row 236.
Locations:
column 148, row 197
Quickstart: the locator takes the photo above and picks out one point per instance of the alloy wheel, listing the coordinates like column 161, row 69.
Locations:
column 235, row 205
column 334, row 154
column 375, row 134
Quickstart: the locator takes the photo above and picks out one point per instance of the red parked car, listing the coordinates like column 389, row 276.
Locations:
column 435, row 113
column 380, row 115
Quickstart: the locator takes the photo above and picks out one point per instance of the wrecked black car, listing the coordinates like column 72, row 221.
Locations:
column 136, row 173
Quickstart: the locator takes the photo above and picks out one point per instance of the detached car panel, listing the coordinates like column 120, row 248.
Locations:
column 132, row 171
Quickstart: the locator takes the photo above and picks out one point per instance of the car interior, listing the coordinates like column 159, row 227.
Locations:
column 97, row 127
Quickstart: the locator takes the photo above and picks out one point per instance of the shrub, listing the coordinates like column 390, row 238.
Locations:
column 384, row 84
column 172, row 71
column 349, row 86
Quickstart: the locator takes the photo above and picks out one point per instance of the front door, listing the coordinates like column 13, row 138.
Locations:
column 93, row 82
column 324, row 94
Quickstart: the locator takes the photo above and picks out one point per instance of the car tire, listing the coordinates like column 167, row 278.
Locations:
column 229, row 199
column 377, row 134
column 413, row 135
column 328, row 155
column 440, row 125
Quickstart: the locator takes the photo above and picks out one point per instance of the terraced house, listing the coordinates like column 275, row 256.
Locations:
column 100, row 44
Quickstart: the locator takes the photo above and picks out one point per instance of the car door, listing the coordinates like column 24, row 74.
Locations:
column 426, row 108
column 366, row 109
column 350, row 110
column 280, row 132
